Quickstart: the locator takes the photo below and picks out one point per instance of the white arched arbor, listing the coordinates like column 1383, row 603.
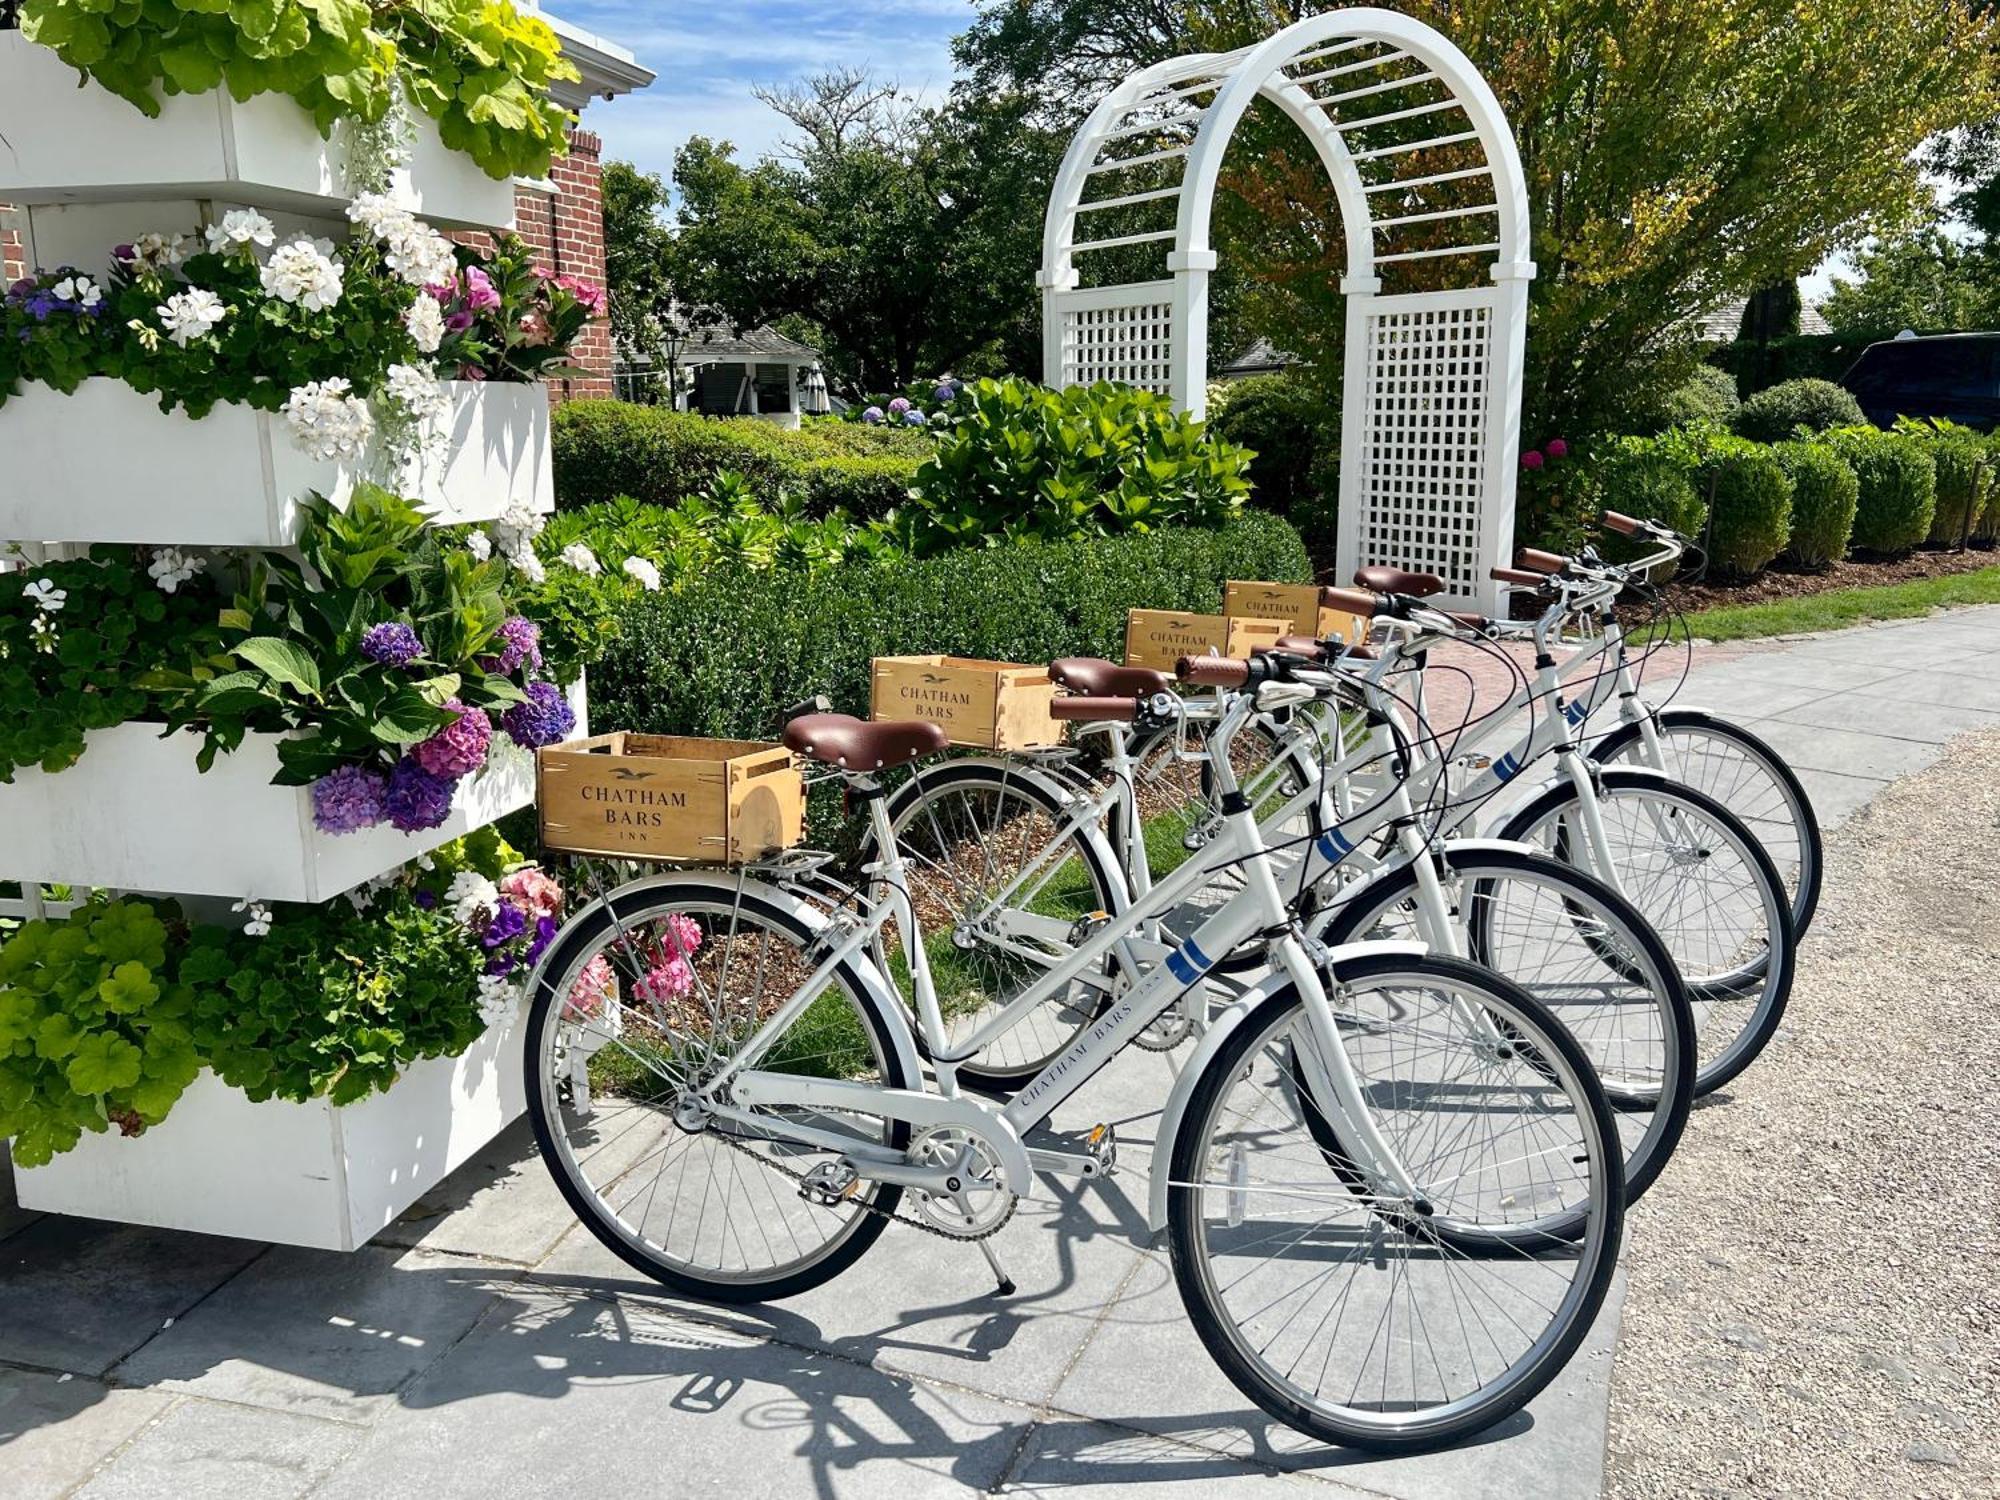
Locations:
column 1430, row 190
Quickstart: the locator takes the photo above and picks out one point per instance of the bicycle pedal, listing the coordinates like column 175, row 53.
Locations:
column 1102, row 1147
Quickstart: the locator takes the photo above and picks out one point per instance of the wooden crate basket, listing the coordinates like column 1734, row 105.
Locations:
column 982, row 705
column 1302, row 606
column 1158, row 638
column 645, row 796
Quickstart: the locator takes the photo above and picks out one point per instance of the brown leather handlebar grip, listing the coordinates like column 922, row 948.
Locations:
column 1520, row 576
column 1212, row 671
column 1300, row 645
column 1535, row 561
column 1079, row 710
column 1623, row 525
column 1350, row 601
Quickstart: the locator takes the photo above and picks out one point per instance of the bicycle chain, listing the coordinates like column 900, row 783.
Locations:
column 914, row 1221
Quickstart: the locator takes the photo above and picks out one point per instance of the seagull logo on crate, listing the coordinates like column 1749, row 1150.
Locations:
column 622, row 773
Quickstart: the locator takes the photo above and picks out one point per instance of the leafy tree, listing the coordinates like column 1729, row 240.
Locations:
column 1931, row 281
column 897, row 232
column 650, row 318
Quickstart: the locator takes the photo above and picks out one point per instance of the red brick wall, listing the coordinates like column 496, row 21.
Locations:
column 13, row 255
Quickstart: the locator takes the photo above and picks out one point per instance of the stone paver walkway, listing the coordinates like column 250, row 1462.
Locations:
column 487, row 1346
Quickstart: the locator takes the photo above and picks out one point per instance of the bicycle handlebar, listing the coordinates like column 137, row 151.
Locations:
column 1622, row 524
column 1080, row 710
column 1212, row 671
column 1355, row 602
column 1533, row 560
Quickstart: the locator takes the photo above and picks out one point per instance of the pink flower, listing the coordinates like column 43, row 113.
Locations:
column 1557, row 448
column 1531, row 459
column 460, row 747
column 471, row 372
column 683, row 934
column 535, row 328
column 479, row 293
column 593, row 988
column 592, row 297
column 535, row 891
column 666, row 981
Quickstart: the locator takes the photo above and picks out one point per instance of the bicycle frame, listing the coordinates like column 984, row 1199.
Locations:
column 1258, row 907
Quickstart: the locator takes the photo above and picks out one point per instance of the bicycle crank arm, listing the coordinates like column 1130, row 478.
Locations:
column 767, row 1091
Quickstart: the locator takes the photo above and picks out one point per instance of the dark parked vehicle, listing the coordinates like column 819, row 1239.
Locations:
column 1954, row 375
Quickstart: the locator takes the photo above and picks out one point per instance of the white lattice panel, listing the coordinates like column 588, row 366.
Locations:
column 1129, row 341
column 1423, row 496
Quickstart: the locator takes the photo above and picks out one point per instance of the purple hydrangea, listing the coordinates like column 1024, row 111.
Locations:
column 914, row 418
column 392, row 645
column 545, row 719
column 872, row 416
column 507, row 923
column 460, row 747
column 417, row 800
column 520, row 641
column 349, row 799
column 900, row 405
column 946, row 393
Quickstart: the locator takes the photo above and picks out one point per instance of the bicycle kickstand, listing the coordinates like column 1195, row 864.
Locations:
column 1005, row 1282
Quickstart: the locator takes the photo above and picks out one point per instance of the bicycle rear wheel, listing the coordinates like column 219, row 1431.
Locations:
column 1378, row 1321
column 637, row 1003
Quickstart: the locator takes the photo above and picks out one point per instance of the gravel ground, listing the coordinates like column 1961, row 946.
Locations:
column 1814, row 1305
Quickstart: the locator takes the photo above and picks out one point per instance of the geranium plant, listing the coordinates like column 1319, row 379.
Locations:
column 480, row 68
column 506, row 318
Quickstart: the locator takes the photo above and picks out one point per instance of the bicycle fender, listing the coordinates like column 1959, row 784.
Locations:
column 1342, row 895
column 809, row 915
column 1220, row 1029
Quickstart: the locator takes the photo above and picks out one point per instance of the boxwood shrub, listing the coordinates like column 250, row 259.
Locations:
column 1898, row 481
column 604, row 449
column 1750, row 514
column 726, row 653
column 1705, row 395
column 1964, row 479
column 1824, row 494
column 1776, row 412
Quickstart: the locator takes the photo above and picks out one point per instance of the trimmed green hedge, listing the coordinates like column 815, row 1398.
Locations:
column 1750, row 515
column 1898, row 487
column 1824, row 495
column 604, row 449
column 726, row 653
column 1774, row 413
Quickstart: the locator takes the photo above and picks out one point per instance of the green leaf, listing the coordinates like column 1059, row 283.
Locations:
column 283, row 661
column 103, row 1064
column 130, row 988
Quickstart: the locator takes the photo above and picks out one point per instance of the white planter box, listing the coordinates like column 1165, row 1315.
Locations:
column 295, row 1174
column 63, row 144
column 135, row 815
column 107, row 465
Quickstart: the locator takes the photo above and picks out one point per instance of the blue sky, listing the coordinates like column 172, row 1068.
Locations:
column 711, row 53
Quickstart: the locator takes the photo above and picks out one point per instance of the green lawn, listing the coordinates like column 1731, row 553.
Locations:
column 1842, row 607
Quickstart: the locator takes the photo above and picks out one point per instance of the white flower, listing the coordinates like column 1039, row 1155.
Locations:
column 471, row 895
column 191, row 315
column 78, row 289
column 479, row 544
column 378, row 213
column 160, row 251
column 498, row 995
column 420, row 393
column 256, row 917
column 528, row 565
column 301, row 273
column 425, row 321
column 420, row 255
column 514, row 534
column 580, row 557
column 45, row 593
column 328, row 421
column 171, row 567
column 647, row 575
column 44, row 632
column 241, row 228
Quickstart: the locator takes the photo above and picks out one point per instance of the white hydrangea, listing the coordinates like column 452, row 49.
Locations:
column 528, row 565
column 479, row 544
column 471, row 895
column 240, row 229
column 303, row 274
column 328, row 421
column 498, row 995
column 191, row 315
column 647, row 576
column 171, row 567
column 425, row 321
column 580, row 557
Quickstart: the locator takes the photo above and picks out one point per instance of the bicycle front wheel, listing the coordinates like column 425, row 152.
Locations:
column 1748, row 777
column 638, row 1003
column 1365, row 1317
column 1584, row 952
column 1704, row 883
